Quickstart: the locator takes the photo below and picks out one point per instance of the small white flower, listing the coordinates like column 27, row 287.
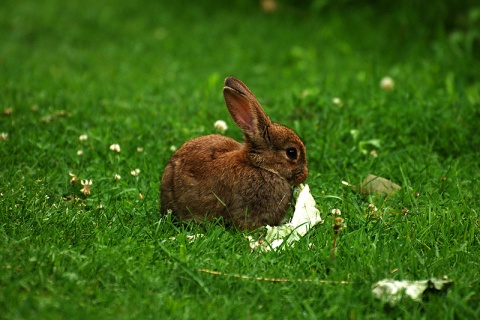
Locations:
column 3, row 136
column 115, row 147
column 192, row 237
column 387, row 83
column 173, row 148
column 346, row 183
column 372, row 207
column 135, row 172
column 337, row 101
column 220, row 126
column 83, row 137
column 336, row 212
column 79, row 152
column 117, row 176
column 74, row 178
column 139, row 149
column 86, row 186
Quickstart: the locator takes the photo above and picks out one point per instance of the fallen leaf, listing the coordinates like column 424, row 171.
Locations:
column 392, row 291
column 269, row 6
column 373, row 184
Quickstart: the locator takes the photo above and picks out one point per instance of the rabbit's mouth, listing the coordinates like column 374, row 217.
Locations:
column 299, row 176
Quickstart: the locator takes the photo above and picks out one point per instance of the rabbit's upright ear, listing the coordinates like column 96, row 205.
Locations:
column 244, row 107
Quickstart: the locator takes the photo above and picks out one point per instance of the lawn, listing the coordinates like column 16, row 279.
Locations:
column 104, row 91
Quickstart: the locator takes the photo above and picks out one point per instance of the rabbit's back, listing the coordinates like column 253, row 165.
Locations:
column 211, row 177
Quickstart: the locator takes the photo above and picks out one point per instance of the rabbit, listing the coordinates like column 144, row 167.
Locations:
column 247, row 185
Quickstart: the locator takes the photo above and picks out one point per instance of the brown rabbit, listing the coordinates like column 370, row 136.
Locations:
column 248, row 185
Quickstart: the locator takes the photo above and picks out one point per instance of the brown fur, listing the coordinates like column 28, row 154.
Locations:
column 248, row 185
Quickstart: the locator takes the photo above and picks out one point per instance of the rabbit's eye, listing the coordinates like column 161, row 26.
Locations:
column 292, row 153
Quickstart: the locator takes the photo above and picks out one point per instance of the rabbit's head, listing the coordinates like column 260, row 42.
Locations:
column 270, row 146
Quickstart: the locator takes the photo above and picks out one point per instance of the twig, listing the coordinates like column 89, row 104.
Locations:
column 280, row 280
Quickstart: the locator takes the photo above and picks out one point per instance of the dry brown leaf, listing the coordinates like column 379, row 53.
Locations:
column 373, row 184
column 376, row 185
column 269, row 6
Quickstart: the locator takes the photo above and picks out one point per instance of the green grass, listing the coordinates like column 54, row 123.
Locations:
column 150, row 75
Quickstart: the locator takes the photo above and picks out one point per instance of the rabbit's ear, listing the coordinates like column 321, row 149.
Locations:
column 239, row 86
column 244, row 108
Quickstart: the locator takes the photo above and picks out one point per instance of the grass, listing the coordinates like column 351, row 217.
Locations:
column 149, row 75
